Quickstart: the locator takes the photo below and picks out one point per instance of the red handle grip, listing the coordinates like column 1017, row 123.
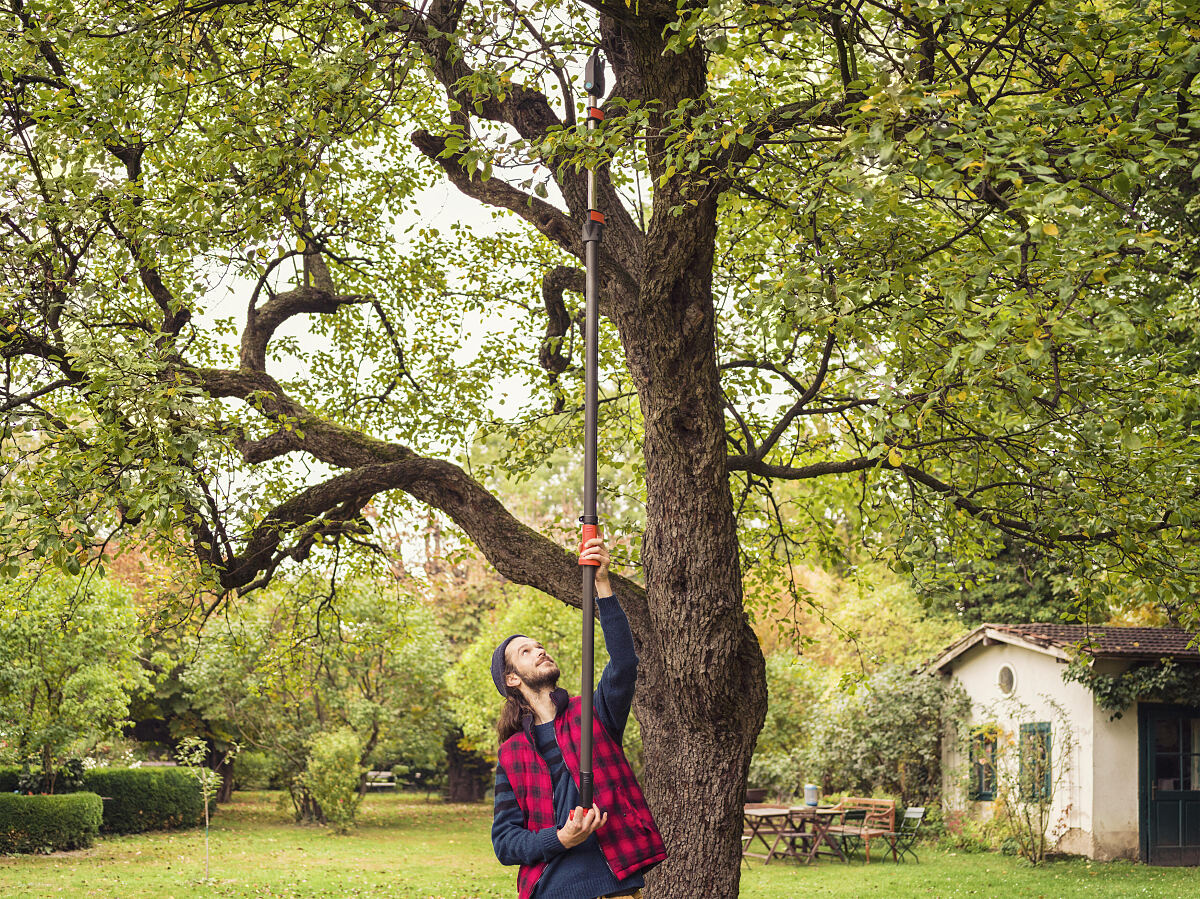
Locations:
column 589, row 531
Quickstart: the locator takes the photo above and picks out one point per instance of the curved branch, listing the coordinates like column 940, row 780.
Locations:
column 814, row 388
column 261, row 323
column 1015, row 527
column 516, row 551
column 1012, row 526
column 554, row 283
column 333, row 444
column 494, row 192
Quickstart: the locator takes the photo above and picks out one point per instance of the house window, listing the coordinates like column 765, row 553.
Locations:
column 982, row 787
column 1007, row 679
column 1036, row 764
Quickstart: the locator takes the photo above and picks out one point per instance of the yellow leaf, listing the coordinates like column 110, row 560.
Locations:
column 1050, row 228
column 894, row 457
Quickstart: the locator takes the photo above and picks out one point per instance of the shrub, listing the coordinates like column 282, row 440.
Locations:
column 49, row 823
column 67, row 777
column 140, row 799
column 9, row 776
column 254, row 770
column 332, row 777
column 957, row 831
column 885, row 737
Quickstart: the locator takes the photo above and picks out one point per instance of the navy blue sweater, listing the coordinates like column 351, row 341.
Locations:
column 580, row 872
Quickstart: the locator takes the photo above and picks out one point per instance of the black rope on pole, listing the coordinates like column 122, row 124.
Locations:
column 593, row 76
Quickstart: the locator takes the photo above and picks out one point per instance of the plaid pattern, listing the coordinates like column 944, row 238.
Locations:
column 630, row 841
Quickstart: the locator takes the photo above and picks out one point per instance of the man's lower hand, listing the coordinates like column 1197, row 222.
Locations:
column 580, row 825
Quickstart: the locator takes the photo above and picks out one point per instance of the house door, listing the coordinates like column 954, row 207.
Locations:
column 1170, row 794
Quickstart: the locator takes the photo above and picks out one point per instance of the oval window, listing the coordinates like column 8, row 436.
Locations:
column 1007, row 679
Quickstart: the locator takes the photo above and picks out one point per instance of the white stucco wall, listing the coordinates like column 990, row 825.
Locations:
column 1094, row 808
column 1115, row 794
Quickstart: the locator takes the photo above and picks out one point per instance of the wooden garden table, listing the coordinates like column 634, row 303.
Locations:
column 761, row 823
column 807, row 831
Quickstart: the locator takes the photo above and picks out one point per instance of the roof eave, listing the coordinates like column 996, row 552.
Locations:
column 989, row 635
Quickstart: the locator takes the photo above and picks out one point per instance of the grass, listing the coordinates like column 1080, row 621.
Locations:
column 408, row 848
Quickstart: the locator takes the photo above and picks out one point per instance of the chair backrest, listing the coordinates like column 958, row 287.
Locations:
column 854, row 815
column 880, row 812
column 913, row 816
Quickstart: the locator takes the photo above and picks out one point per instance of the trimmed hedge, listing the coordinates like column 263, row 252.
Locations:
column 140, row 799
column 48, row 823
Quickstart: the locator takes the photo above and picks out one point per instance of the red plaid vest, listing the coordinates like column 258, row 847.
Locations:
column 630, row 840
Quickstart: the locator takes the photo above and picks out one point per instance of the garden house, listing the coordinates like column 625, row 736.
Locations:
column 1108, row 755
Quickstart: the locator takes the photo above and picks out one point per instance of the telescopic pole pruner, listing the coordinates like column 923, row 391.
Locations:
column 593, row 76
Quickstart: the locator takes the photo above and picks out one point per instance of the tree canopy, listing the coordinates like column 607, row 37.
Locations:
column 932, row 262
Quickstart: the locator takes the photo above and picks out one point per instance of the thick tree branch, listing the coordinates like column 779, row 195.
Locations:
column 272, row 446
column 333, row 444
column 516, row 551
column 262, row 322
column 494, row 192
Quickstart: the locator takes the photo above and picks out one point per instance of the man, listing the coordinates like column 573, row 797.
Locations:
column 564, row 850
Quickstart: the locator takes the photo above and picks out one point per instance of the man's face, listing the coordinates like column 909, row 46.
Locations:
column 530, row 665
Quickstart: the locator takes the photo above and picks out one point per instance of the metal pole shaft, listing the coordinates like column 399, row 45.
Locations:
column 590, row 402
column 592, row 230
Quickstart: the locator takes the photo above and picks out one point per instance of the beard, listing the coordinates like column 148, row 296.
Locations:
column 543, row 678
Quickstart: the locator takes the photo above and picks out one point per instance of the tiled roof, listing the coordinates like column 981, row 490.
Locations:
column 1111, row 642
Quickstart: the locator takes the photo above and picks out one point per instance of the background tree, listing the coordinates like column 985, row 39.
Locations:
column 912, row 247
column 68, row 666
column 1020, row 584
column 290, row 665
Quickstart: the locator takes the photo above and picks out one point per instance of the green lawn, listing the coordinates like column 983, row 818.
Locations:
column 406, row 847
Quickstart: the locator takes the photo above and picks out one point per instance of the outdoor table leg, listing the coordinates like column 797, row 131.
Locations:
column 762, row 825
column 821, row 835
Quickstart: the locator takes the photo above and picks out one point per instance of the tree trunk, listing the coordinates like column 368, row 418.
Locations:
column 468, row 774
column 702, row 695
column 225, row 772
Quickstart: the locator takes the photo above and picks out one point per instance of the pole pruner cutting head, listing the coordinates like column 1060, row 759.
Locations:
column 593, row 74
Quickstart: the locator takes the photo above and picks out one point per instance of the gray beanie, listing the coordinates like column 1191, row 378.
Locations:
column 498, row 664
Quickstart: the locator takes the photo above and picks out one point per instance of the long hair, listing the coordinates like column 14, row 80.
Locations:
column 515, row 709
